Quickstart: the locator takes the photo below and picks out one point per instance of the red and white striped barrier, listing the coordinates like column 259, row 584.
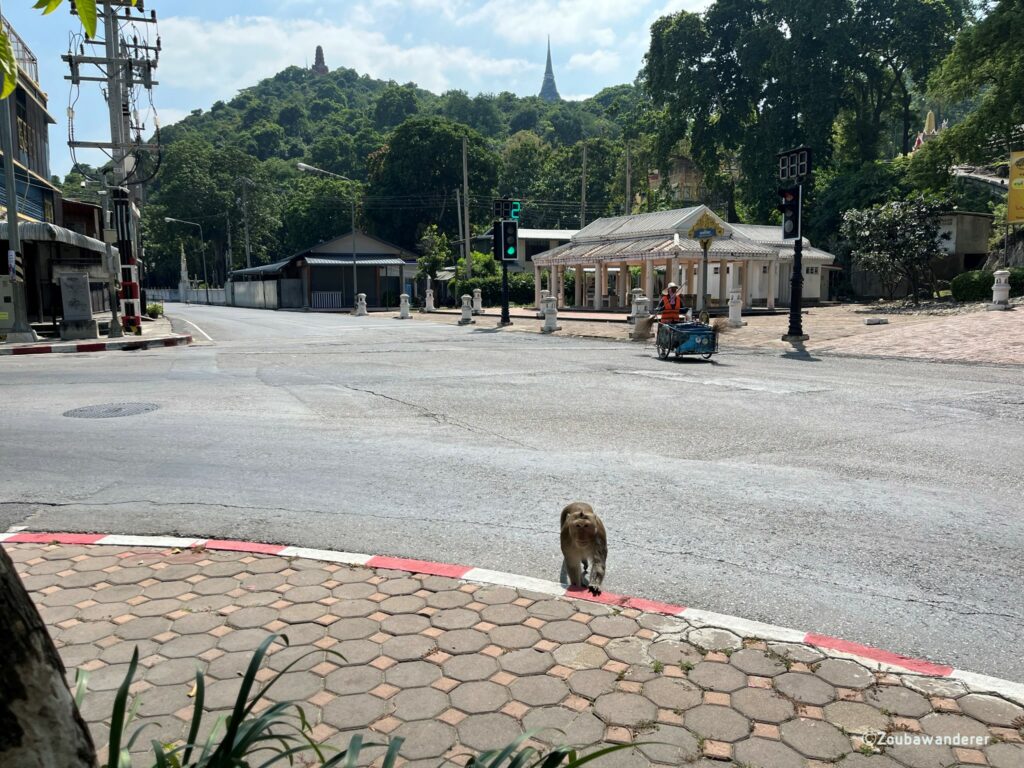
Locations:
column 99, row 346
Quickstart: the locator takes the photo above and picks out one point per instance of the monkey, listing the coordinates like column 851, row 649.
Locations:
column 584, row 543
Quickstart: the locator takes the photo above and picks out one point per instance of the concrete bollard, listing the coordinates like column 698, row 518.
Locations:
column 636, row 293
column 735, row 310
column 550, row 315
column 478, row 302
column 467, row 310
column 642, row 320
column 1001, row 290
column 360, row 305
column 544, row 294
column 428, row 301
column 403, row 307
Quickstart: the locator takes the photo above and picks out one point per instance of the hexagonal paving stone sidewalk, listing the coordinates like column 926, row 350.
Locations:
column 455, row 666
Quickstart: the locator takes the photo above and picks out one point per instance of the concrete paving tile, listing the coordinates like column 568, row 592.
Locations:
column 763, row 705
column 450, row 598
column 991, row 709
column 488, row 731
column 1005, row 755
column 938, row 724
column 526, row 662
column 356, row 711
column 591, row 683
column 717, row 677
column 404, row 624
column 496, row 595
column 459, row 641
column 120, row 652
column 669, row 744
column 455, row 618
column 268, row 564
column 613, row 626
column 187, row 646
column 580, row 656
column 625, row 709
column 713, row 639
column 355, row 591
column 86, row 632
column 717, row 723
column 349, row 609
column 922, row 755
column 418, row 704
column 765, row 753
column 815, row 739
column 413, row 674
column 551, row 610
column 479, row 697
column 630, row 650
column 297, row 686
column 796, row 652
column 855, row 717
column 539, row 690
column 355, row 652
column 400, row 604
column 505, row 614
column 471, row 666
column 898, row 700
column 407, row 647
column 300, row 614
column 403, row 586
column 514, row 637
column 672, row 693
column 142, row 629
column 425, row 739
column 350, row 680
column 805, row 688
column 756, row 662
column 563, row 631
column 844, row 673
column 353, row 629
column 857, row 760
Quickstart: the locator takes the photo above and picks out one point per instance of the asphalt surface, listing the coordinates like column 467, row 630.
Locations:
column 875, row 500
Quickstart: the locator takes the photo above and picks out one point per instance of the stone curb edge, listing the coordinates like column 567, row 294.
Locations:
column 875, row 658
column 99, row 346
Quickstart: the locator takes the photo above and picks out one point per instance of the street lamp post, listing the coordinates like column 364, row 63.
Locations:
column 313, row 169
column 246, row 182
column 202, row 243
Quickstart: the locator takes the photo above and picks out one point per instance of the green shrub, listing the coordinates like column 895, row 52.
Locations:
column 154, row 309
column 973, row 286
column 520, row 288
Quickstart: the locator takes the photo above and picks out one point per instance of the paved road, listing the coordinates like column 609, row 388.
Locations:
column 874, row 500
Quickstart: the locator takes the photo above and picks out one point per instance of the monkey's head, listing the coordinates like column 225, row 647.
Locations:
column 582, row 521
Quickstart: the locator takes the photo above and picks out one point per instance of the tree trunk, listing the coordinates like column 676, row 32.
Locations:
column 40, row 727
column 906, row 122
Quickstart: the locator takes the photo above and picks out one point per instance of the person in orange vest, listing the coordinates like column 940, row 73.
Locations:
column 671, row 304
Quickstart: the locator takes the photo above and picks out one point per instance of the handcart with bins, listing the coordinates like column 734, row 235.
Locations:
column 686, row 338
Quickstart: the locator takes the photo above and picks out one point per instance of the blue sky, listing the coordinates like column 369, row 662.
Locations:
column 212, row 48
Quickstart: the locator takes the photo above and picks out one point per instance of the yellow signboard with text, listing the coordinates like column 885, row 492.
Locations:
column 1015, row 198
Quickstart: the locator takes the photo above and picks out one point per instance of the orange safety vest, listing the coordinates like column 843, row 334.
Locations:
column 669, row 309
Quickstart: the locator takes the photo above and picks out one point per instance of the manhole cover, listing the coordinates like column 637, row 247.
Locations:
column 110, row 410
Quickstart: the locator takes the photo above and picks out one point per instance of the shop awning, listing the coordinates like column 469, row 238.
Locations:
column 36, row 231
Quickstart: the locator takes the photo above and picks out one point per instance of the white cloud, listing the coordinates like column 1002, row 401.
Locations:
column 217, row 58
column 570, row 22
column 595, row 61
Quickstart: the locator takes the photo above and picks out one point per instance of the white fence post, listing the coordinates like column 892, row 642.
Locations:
column 467, row 310
column 478, row 302
column 428, row 301
column 1001, row 290
column 361, row 305
column 550, row 315
column 403, row 307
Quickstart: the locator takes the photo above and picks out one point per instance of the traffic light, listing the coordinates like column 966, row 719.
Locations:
column 510, row 240
column 790, row 207
column 496, row 240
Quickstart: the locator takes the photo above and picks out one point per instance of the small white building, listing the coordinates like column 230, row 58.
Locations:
column 752, row 260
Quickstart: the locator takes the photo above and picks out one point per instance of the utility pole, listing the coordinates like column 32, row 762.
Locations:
column 121, row 68
column 465, row 206
column 583, row 191
column 228, row 259
column 458, row 210
column 629, row 184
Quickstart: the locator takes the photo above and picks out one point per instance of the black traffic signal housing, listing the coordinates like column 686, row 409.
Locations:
column 510, row 240
column 790, row 208
column 496, row 240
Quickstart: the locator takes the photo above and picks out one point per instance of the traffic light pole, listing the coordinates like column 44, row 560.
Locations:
column 796, row 329
column 506, row 319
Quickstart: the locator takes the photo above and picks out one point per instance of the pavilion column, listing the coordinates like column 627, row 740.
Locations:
column 648, row 277
column 560, row 286
column 723, row 285
column 598, row 275
column 745, row 285
column 622, row 285
column 537, row 275
column 773, row 282
column 674, row 270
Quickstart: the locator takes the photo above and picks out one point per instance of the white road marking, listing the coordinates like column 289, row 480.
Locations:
column 184, row 320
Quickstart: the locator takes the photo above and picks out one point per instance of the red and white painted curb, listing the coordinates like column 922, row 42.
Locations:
column 99, row 346
column 875, row 658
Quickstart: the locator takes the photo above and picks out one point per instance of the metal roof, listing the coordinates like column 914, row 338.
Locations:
column 649, row 248
column 638, row 224
column 320, row 261
column 264, row 269
column 41, row 231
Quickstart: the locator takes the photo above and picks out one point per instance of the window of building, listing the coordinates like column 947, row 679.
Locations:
column 812, row 270
column 764, row 269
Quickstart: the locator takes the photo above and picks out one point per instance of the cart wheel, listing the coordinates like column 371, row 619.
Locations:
column 706, row 355
column 663, row 352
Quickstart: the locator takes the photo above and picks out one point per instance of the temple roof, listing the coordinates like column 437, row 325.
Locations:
column 548, row 90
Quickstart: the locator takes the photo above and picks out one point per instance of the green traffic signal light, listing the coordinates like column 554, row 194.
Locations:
column 511, row 250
